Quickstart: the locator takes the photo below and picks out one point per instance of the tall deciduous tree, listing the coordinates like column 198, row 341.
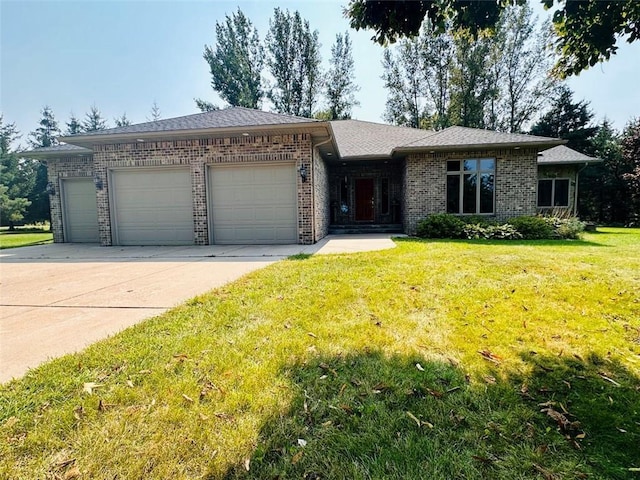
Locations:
column 293, row 59
column 340, row 83
column 93, row 120
column 236, row 61
column 585, row 31
column 16, row 178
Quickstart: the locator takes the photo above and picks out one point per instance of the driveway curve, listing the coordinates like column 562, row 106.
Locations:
column 57, row 299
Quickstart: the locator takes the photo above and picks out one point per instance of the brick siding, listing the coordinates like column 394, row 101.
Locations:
column 320, row 180
column 425, row 183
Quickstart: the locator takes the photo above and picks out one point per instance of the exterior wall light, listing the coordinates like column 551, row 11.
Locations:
column 50, row 188
column 303, row 173
column 98, row 183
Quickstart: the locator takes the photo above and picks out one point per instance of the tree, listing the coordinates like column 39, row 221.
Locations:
column 43, row 136
column 293, row 59
column 122, row 121
column 404, row 81
column 73, row 126
column 585, row 32
column 155, row 113
column 205, row 106
column 340, row 84
column 16, row 178
column 568, row 120
column 93, row 120
column 631, row 154
column 236, row 61
column 437, row 59
column 520, row 69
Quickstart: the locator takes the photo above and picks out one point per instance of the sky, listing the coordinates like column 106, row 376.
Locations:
column 124, row 55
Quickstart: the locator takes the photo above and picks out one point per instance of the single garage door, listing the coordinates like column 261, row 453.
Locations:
column 152, row 206
column 253, row 204
column 79, row 210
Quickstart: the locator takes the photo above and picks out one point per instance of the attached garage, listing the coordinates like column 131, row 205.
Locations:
column 79, row 210
column 151, row 206
column 253, row 204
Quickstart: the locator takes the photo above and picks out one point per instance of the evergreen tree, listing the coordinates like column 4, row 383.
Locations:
column 340, row 84
column 568, row 120
column 122, row 121
column 293, row 58
column 45, row 134
column 73, row 126
column 155, row 113
column 236, row 61
column 205, row 106
column 631, row 155
column 16, row 178
column 93, row 120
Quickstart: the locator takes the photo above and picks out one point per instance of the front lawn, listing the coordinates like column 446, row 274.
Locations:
column 437, row 359
column 24, row 237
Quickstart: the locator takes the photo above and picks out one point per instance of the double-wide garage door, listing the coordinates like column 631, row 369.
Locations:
column 152, row 206
column 253, row 204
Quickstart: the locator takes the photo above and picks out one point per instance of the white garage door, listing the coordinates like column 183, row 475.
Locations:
column 253, row 204
column 152, row 207
column 79, row 210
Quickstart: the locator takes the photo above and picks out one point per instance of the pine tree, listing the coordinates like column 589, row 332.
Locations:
column 340, row 84
column 73, row 126
column 45, row 134
column 155, row 113
column 93, row 120
column 122, row 121
column 16, row 178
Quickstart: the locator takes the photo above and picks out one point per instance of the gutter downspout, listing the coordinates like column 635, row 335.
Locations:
column 575, row 192
column 313, row 191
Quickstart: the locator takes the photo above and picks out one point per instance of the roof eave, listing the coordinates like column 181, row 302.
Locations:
column 541, row 145
column 55, row 154
column 106, row 138
column 570, row 162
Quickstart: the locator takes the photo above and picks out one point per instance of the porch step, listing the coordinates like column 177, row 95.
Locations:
column 365, row 228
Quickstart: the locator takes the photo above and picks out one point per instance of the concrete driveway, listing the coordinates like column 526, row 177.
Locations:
column 57, row 299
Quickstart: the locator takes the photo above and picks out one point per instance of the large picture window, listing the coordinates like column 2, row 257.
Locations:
column 553, row 192
column 471, row 186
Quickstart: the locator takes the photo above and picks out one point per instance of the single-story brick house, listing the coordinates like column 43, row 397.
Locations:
column 243, row 176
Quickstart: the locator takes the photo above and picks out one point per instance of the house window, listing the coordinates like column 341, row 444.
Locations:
column 471, row 186
column 384, row 196
column 553, row 192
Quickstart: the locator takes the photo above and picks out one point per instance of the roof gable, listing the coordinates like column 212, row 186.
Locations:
column 563, row 154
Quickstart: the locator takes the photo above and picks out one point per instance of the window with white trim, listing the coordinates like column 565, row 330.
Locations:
column 471, row 186
column 553, row 192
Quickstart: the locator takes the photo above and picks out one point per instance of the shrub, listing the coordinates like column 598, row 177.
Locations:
column 440, row 225
column 568, row 228
column 492, row 232
column 533, row 228
column 479, row 220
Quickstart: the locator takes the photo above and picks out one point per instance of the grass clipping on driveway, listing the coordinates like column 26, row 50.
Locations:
column 437, row 359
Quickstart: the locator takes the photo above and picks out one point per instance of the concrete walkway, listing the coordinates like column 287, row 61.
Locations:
column 57, row 299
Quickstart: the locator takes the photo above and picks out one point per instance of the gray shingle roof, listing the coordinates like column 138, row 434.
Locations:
column 356, row 138
column 61, row 149
column 227, row 118
column 564, row 154
column 474, row 137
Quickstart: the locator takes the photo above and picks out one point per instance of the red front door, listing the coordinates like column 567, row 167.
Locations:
column 364, row 199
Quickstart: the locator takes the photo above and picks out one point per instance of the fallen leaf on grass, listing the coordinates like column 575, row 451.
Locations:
column 312, row 335
column 247, row 464
column 187, row 398
column 302, row 442
column 546, row 474
column 610, row 380
column 103, row 407
column 72, row 473
column 296, row 458
column 419, row 367
column 419, row 422
column 491, row 380
column 492, row 357
column 89, row 386
column 482, row 459
column 129, row 384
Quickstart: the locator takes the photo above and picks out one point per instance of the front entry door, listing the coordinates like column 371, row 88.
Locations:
column 364, row 200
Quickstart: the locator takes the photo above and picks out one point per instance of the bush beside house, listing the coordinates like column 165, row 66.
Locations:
column 519, row 228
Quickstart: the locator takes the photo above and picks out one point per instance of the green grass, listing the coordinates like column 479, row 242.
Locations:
column 437, row 359
column 24, row 237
